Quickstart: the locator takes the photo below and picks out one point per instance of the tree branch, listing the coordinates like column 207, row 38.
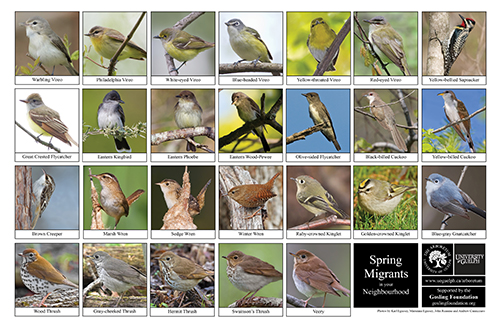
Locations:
column 306, row 132
column 226, row 68
column 334, row 47
column 459, row 121
column 328, row 221
column 185, row 133
column 38, row 140
column 114, row 59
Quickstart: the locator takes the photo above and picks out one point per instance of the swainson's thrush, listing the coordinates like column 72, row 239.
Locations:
column 313, row 278
column 180, row 273
column 117, row 275
column 248, row 273
column 40, row 276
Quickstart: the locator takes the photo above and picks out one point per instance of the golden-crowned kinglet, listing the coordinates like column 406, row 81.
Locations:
column 380, row 197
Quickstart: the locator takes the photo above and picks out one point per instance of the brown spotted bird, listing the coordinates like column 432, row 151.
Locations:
column 40, row 276
column 249, row 274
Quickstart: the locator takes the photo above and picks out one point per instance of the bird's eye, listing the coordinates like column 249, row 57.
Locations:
column 32, row 255
column 235, row 257
column 303, row 256
column 168, row 259
column 35, row 23
column 301, row 181
column 237, row 23
column 96, row 257
column 367, row 189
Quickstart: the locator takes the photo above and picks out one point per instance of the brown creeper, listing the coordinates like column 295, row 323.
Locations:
column 42, row 191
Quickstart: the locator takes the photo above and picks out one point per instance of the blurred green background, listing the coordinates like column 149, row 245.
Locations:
column 122, row 22
column 405, row 216
column 203, row 27
column 337, row 257
column 198, row 176
column 406, row 25
column 299, row 59
column 162, row 117
column 230, row 121
column 270, row 253
column 130, row 179
column 134, row 109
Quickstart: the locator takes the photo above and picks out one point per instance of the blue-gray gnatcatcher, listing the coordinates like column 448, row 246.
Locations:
column 444, row 195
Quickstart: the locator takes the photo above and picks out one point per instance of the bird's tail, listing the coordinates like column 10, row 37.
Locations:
column 398, row 139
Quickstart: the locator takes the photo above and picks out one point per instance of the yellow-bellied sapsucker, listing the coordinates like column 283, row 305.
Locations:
column 452, row 47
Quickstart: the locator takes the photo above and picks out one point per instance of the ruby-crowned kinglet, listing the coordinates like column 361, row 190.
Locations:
column 313, row 197
column 107, row 41
column 246, row 42
column 380, row 197
column 181, row 45
column 46, row 45
column 319, row 41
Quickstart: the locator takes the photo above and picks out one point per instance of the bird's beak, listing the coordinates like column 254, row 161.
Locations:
column 225, row 257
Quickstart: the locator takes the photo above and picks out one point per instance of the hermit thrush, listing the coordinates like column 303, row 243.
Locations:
column 253, row 195
column 40, row 276
column 248, row 273
column 172, row 192
column 313, row 278
column 180, row 273
column 117, row 275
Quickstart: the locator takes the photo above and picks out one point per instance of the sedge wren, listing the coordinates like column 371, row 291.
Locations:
column 172, row 192
column 42, row 191
column 113, row 200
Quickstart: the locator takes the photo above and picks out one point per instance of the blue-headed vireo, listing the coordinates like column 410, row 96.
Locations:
column 246, row 42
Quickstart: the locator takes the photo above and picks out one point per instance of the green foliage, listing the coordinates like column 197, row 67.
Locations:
column 405, row 216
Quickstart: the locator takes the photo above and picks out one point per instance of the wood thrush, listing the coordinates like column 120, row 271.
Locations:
column 117, row 275
column 248, row 273
column 40, row 276
column 313, row 278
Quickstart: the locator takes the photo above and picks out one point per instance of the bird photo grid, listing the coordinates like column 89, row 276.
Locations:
column 250, row 163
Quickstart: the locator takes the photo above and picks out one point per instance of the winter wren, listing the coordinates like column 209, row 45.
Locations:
column 253, row 195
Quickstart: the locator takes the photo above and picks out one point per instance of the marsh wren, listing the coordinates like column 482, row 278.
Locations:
column 172, row 191
column 42, row 191
column 113, row 200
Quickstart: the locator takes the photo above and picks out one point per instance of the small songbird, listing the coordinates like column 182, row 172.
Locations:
column 181, row 45
column 444, row 196
column 113, row 200
column 43, row 189
column 250, row 274
column 388, row 41
column 253, row 195
column 172, row 192
column 319, row 41
column 313, row 278
column 40, row 276
column 380, row 197
column 46, row 121
column 180, row 273
column 319, row 114
column 248, row 110
column 107, row 41
column 117, row 275
column 386, row 118
column 247, row 43
column 187, row 113
column 455, row 110
column 110, row 115
column 315, row 199
column 47, row 45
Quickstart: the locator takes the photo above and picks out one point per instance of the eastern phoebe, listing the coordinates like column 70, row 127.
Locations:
column 187, row 113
